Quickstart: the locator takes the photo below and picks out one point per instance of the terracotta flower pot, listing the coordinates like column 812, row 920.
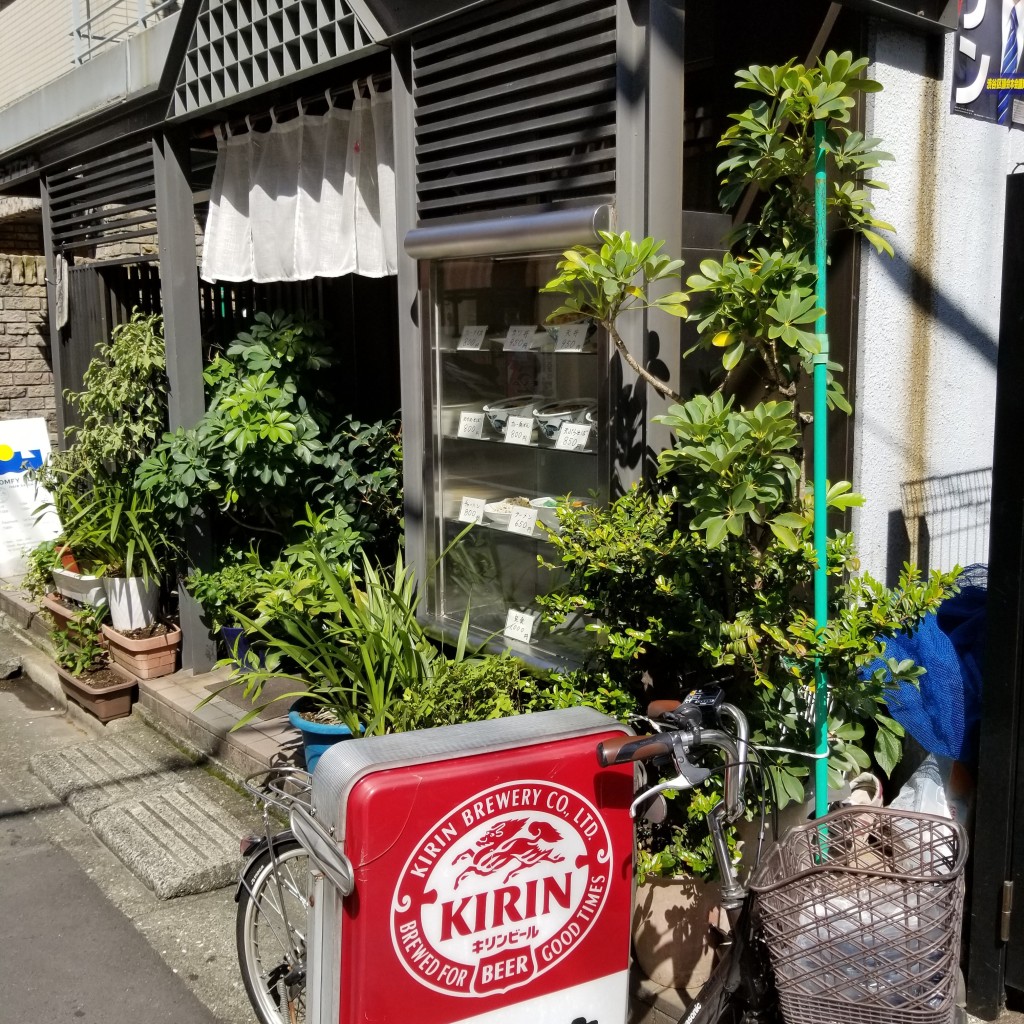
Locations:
column 67, row 558
column 105, row 702
column 146, row 658
column 673, row 941
column 62, row 616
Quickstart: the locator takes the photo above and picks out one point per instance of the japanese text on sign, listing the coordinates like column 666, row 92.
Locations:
column 524, row 521
column 472, row 337
column 471, row 424
column 572, row 437
column 471, row 510
column 518, row 337
column 571, row 338
column 519, row 430
column 520, row 625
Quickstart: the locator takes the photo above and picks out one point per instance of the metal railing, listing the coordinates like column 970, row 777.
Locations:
column 112, row 23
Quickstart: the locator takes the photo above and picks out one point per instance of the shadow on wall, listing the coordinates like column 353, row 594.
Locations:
column 946, row 313
column 943, row 522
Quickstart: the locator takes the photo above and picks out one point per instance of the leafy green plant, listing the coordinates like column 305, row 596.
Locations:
column 271, row 440
column 119, row 531
column 600, row 284
column 39, row 562
column 123, row 407
column 681, row 845
column 230, row 590
column 78, row 649
column 356, row 662
column 760, row 302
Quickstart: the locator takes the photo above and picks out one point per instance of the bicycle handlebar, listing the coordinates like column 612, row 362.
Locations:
column 623, row 749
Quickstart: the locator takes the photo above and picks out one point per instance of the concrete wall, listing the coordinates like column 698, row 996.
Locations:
column 26, row 383
column 929, row 318
column 36, row 45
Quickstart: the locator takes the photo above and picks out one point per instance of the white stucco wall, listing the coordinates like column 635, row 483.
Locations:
column 929, row 319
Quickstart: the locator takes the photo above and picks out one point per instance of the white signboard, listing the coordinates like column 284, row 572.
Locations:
column 24, row 445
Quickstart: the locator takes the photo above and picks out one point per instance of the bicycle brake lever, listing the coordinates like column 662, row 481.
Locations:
column 690, row 775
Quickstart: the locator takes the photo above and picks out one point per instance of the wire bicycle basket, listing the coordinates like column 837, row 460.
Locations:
column 861, row 911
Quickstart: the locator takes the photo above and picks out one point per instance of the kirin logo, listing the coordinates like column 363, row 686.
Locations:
column 503, row 846
column 502, row 889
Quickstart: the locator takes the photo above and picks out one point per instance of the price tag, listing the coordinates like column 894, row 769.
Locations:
column 472, row 337
column 518, row 338
column 524, row 521
column 471, row 424
column 572, row 437
column 519, row 430
column 472, row 510
column 520, row 625
column 571, row 338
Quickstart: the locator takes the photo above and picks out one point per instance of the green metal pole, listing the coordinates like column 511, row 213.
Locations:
column 820, row 476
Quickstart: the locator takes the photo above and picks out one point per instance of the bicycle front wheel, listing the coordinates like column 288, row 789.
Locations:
column 270, row 932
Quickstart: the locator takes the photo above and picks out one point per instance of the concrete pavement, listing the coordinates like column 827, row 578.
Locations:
column 81, row 938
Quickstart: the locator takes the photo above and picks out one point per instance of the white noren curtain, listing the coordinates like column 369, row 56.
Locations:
column 311, row 197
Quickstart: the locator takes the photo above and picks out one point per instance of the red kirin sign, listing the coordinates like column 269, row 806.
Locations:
column 501, row 889
column 494, row 887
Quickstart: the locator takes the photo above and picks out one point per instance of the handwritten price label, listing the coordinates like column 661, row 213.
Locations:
column 571, row 338
column 572, row 437
column 472, row 337
column 524, row 521
column 471, row 510
column 521, row 625
column 519, row 430
column 518, row 337
column 471, row 424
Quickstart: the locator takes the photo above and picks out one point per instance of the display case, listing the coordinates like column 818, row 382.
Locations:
column 515, row 410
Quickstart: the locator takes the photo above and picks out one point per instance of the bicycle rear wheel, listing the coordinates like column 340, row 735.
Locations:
column 270, row 933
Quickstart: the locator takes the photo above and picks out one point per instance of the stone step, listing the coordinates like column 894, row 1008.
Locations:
column 175, row 826
column 177, row 841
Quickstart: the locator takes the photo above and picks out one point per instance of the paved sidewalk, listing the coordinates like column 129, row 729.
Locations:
column 83, row 938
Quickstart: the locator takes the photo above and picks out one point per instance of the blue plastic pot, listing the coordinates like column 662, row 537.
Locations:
column 316, row 738
column 232, row 635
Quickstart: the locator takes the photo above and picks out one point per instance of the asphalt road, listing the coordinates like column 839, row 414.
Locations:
column 82, row 941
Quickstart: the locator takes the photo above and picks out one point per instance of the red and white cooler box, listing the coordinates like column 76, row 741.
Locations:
column 493, row 876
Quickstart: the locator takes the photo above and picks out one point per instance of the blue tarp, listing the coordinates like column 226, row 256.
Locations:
column 943, row 714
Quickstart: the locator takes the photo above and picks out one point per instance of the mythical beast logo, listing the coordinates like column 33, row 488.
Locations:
column 501, row 889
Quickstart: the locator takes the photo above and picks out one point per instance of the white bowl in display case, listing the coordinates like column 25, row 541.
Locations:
column 552, row 415
column 500, row 512
column 518, row 405
column 547, row 509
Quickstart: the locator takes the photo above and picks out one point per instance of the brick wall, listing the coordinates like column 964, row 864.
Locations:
column 26, row 382
column 23, row 234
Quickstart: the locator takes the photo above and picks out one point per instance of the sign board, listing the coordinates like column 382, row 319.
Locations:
column 493, row 877
column 988, row 63
column 24, row 445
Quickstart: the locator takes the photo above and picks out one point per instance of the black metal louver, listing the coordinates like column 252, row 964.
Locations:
column 516, row 109
column 109, row 199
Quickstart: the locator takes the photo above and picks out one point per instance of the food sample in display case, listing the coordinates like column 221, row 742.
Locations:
column 515, row 408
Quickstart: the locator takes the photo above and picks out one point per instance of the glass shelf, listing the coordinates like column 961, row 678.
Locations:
column 490, row 571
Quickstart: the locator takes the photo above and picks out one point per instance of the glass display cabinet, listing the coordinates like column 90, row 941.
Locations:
column 515, row 411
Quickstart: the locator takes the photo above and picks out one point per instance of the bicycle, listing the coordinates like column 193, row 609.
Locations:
column 273, row 894
column 282, row 870
column 740, row 989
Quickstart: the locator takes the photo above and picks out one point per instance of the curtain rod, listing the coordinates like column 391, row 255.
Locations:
column 328, row 96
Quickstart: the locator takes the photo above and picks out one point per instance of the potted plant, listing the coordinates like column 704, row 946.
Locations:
column 675, row 927
column 122, row 531
column 85, row 673
column 351, row 665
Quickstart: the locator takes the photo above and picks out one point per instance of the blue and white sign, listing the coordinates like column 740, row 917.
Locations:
column 24, row 445
column 988, row 65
